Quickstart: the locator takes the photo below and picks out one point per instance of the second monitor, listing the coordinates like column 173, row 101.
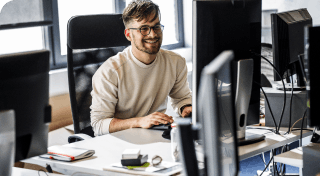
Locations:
column 229, row 25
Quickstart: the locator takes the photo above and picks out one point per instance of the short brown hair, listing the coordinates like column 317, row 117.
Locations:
column 140, row 10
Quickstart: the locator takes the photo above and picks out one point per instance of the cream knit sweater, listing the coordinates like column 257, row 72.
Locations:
column 124, row 87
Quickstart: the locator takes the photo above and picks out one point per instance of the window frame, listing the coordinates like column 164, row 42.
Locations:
column 45, row 24
column 52, row 33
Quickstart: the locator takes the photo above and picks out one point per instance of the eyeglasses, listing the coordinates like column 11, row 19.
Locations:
column 145, row 30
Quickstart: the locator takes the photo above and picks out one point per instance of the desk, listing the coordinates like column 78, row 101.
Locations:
column 292, row 157
column 26, row 172
column 272, row 141
column 110, row 147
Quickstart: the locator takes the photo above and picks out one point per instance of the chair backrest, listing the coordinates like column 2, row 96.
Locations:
column 90, row 32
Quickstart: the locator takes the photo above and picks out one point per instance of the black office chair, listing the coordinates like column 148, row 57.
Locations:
column 104, row 36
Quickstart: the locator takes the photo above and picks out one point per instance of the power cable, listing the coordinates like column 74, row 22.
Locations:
column 266, row 97
column 300, row 142
column 284, row 89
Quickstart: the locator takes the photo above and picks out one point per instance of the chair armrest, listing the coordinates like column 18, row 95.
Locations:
column 78, row 137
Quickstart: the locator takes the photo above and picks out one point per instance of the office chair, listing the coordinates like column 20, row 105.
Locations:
column 91, row 40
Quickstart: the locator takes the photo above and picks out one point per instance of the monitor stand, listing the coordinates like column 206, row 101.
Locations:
column 242, row 101
column 250, row 138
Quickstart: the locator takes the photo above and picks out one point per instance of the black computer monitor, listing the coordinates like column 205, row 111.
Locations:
column 24, row 88
column 227, row 25
column 216, row 112
column 288, row 43
column 312, row 63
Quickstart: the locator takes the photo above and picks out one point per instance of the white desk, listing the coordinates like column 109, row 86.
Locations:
column 292, row 157
column 26, row 172
column 108, row 151
column 272, row 141
column 109, row 148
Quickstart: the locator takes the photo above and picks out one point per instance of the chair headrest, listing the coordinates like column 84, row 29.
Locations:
column 96, row 31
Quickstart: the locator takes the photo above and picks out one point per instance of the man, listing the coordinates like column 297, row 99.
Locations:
column 130, row 90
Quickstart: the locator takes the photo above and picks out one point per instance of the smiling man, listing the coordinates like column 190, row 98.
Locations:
column 131, row 89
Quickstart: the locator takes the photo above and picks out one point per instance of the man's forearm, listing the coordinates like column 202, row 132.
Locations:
column 123, row 124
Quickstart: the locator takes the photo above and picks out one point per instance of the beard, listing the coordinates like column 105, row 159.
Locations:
column 153, row 49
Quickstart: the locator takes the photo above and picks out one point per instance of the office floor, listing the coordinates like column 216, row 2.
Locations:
column 249, row 167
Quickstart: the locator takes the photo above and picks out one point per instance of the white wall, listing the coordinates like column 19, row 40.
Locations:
column 313, row 7
column 58, row 82
column 187, row 22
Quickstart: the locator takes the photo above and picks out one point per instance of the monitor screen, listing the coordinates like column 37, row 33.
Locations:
column 226, row 25
column 288, row 42
column 24, row 88
column 312, row 62
column 215, row 105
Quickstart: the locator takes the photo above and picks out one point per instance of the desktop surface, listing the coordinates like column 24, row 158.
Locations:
column 110, row 147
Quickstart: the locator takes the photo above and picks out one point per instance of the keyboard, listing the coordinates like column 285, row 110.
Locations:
column 161, row 127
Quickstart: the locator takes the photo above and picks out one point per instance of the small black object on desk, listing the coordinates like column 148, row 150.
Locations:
column 135, row 162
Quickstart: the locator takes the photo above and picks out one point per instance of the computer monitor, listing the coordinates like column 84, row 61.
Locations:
column 288, row 44
column 216, row 112
column 7, row 141
column 24, row 88
column 312, row 63
column 227, row 25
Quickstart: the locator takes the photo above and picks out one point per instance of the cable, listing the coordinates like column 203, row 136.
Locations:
column 275, row 164
column 284, row 89
column 291, row 98
column 284, row 149
column 300, row 142
column 263, row 159
column 295, row 124
column 274, row 168
column 42, row 171
column 298, row 120
column 274, row 121
column 267, row 165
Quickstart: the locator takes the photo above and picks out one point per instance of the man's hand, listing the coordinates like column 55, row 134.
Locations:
column 155, row 118
column 186, row 111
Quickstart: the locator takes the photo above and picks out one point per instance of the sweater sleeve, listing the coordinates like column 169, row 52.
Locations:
column 104, row 99
column 180, row 93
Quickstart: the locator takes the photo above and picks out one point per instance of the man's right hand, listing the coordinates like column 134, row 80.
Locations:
column 155, row 118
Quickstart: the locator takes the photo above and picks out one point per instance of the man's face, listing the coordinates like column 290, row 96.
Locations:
column 148, row 44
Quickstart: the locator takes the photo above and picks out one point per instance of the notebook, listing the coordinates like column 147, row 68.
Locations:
column 64, row 153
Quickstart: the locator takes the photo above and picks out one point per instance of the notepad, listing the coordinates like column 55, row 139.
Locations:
column 164, row 169
column 64, row 153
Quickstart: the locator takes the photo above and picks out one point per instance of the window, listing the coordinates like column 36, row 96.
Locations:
column 170, row 19
column 54, row 35
column 20, row 27
column 63, row 10
column 69, row 8
column 20, row 40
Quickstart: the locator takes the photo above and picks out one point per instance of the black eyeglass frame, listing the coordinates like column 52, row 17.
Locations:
column 161, row 27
